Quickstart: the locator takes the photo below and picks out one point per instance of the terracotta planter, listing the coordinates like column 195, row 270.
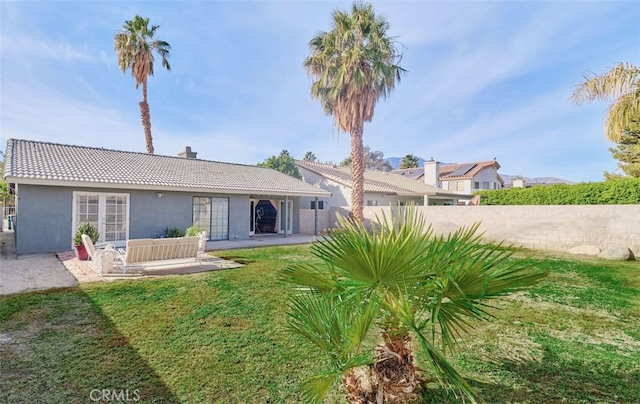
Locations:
column 81, row 252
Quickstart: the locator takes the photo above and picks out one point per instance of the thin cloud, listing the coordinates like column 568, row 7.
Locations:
column 485, row 79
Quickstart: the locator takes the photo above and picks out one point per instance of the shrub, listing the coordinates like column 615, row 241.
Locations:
column 615, row 192
column 173, row 232
column 194, row 230
column 88, row 229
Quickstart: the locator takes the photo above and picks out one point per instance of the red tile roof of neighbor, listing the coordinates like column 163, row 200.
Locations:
column 474, row 168
column 446, row 170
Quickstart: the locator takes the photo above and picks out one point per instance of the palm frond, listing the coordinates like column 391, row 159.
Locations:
column 620, row 80
column 315, row 388
column 353, row 65
column 621, row 85
column 387, row 255
column 622, row 115
column 488, row 273
column 443, row 371
column 134, row 46
column 338, row 328
column 322, row 279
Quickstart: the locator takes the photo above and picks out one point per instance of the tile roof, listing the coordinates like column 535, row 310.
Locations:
column 375, row 181
column 413, row 173
column 45, row 163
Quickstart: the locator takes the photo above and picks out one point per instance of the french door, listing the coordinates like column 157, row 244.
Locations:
column 108, row 212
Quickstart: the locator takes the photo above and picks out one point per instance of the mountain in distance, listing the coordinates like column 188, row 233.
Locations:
column 395, row 162
column 508, row 179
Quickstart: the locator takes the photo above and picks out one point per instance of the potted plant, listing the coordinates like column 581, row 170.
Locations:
column 194, row 230
column 91, row 231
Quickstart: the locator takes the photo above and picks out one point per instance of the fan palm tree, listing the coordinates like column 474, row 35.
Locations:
column 135, row 46
column 404, row 282
column 621, row 85
column 409, row 161
column 309, row 156
column 351, row 67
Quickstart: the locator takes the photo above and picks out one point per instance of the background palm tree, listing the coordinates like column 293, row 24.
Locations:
column 351, row 67
column 404, row 282
column 309, row 156
column 620, row 85
column 409, row 161
column 135, row 46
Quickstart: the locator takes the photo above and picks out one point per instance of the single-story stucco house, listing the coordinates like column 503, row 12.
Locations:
column 380, row 188
column 138, row 195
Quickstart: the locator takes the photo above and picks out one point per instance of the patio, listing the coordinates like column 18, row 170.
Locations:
column 43, row 271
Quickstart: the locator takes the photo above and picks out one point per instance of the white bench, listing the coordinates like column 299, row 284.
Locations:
column 148, row 252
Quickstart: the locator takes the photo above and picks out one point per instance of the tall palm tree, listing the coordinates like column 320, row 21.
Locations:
column 135, row 46
column 621, row 85
column 401, row 280
column 409, row 161
column 351, row 67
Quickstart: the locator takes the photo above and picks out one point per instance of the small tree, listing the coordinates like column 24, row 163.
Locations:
column 407, row 283
column 284, row 163
column 6, row 197
column 627, row 152
column 88, row 229
column 373, row 160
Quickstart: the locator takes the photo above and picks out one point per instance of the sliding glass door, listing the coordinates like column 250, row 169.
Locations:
column 212, row 214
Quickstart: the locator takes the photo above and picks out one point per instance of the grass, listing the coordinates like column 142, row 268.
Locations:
column 221, row 337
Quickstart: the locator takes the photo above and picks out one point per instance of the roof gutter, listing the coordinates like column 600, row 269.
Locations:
column 167, row 187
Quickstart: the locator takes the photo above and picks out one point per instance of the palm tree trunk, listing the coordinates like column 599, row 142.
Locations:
column 394, row 373
column 392, row 378
column 146, row 118
column 357, row 174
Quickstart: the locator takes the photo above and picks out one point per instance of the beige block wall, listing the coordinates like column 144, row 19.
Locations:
column 307, row 220
column 553, row 227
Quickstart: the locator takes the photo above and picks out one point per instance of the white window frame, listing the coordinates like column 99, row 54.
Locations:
column 102, row 197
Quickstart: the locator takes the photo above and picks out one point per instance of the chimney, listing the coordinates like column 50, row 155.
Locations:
column 187, row 153
column 432, row 173
column 518, row 183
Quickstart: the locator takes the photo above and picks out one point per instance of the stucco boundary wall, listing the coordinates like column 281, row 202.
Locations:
column 544, row 227
column 307, row 221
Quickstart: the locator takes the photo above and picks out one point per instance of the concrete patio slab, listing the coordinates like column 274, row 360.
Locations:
column 26, row 273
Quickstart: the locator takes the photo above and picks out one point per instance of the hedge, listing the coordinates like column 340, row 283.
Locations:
column 614, row 192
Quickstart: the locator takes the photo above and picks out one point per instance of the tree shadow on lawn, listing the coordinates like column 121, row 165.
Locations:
column 553, row 379
column 58, row 346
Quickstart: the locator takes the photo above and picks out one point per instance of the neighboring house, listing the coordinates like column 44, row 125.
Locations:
column 380, row 188
column 137, row 195
column 518, row 181
column 463, row 178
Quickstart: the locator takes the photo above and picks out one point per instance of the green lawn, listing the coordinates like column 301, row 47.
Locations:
column 220, row 337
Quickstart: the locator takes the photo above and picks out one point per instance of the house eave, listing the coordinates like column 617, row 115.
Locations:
column 163, row 187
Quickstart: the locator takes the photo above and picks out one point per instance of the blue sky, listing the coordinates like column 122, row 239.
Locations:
column 485, row 79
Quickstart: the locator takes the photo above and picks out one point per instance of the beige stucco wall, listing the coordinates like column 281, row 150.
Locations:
column 307, row 220
column 555, row 227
